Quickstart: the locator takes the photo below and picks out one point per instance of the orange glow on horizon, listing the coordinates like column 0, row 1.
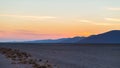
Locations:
column 50, row 29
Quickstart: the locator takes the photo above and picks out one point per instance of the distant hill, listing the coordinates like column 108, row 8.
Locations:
column 110, row 37
column 107, row 37
column 62, row 40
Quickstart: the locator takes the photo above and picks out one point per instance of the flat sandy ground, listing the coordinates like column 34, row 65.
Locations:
column 70, row 55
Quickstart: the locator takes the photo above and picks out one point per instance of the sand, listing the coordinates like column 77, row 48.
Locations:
column 70, row 55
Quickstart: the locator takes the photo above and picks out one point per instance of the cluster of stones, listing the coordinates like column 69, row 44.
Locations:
column 19, row 57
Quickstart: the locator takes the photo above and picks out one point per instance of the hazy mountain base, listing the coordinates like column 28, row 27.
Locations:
column 71, row 55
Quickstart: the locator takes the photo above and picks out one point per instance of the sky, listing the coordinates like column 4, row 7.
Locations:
column 51, row 19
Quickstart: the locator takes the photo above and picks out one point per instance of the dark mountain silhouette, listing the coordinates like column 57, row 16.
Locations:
column 62, row 40
column 108, row 37
column 111, row 37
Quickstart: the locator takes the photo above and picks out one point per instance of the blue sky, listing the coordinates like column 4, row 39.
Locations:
column 58, row 7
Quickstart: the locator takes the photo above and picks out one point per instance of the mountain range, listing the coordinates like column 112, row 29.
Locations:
column 62, row 40
column 107, row 37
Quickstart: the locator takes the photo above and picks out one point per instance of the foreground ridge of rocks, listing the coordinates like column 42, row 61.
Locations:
column 18, row 57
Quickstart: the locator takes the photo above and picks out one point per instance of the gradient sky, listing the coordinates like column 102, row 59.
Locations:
column 44, row 19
